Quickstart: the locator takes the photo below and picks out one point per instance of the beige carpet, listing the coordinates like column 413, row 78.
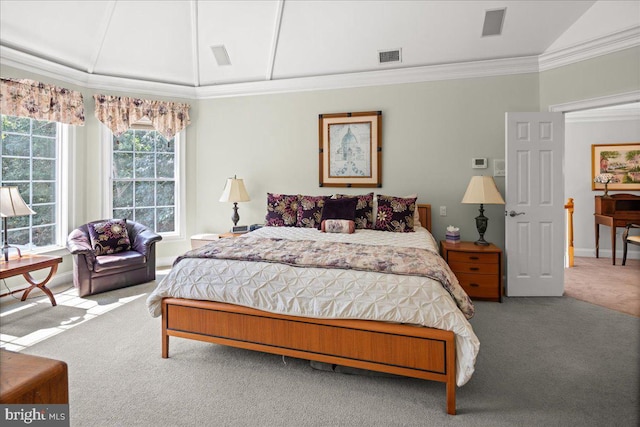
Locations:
column 597, row 281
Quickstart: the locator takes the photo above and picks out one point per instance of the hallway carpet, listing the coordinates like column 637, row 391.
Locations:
column 597, row 281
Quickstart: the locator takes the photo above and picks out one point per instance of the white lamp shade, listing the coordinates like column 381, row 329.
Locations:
column 12, row 204
column 234, row 191
column 482, row 189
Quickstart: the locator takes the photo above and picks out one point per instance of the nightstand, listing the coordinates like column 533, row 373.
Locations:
column 227, row 235
column 478, row 268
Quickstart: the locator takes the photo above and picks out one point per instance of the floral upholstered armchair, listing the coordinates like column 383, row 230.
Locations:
column 112, row 254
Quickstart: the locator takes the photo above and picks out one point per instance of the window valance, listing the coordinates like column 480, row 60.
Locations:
column 40, row 101
column 119, row 113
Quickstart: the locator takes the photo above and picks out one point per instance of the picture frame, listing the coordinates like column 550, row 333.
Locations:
column 350, row 149
column 621, row 160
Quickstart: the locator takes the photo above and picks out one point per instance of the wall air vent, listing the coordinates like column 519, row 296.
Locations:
column 221, row 55
column 493, row 20
column 385, row 56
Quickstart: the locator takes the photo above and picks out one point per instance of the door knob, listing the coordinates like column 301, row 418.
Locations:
column 514, row 213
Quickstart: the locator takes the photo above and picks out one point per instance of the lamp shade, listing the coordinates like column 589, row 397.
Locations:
column 234, row 191
column 482, row 189
column 12, row 204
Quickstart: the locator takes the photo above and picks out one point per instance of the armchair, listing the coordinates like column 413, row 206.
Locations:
column 94, row 273
column 627, row 238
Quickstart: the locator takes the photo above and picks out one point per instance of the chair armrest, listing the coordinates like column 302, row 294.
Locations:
column 629, row 226
column 78, row 243
column 143, row 241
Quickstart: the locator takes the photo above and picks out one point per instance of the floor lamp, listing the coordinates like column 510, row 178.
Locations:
column 11, row 204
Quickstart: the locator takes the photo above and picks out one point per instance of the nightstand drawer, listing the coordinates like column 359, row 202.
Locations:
column 475, row 257
column 467, row 267
column 478, row 286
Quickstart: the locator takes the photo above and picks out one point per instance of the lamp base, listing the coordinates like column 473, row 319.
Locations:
column 5, row 251
column 481, row 224
column 235, row 217
column 481, row 242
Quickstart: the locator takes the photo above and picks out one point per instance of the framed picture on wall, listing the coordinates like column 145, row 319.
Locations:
column 622, row 161
column 350, row 149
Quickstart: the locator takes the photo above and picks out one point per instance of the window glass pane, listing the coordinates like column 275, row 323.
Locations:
column 122, row 194
column 44, row 169
column 44, row 192
column 30, row 161
column 165, row 193
column 16, row 124
column 166, row 220
column 14, row 169
column 44, row 128
column 44, row 236
column 15, row 145
column 145, row 196
column 144, row 171
column 123, row 213
column 44, row 147
column 145, row 165
column 147, row 141
column 125, row 142
column 45, row 214
column 122, row 165
column 166, row 166
column 145, row 216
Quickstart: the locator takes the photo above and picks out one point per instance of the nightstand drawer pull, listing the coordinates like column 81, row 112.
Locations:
column 474, row 257
column 474, row 268
column 474, row 285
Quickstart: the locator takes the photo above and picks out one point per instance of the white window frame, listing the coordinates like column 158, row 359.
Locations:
column 107, row 185
column 65, row 194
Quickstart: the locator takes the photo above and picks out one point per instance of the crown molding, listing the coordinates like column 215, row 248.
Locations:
column 589, row 49
column 465, row 70
column 603, row 101
column 604, row 115
column 24, row 61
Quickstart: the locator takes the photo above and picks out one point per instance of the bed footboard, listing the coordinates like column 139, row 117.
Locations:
column 406, row 350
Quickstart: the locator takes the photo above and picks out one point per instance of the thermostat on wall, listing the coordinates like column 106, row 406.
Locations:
column 479, row 163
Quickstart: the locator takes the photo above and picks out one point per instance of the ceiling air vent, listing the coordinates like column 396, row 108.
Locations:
column 493, row 20
column 221, row 55
column 394, row 55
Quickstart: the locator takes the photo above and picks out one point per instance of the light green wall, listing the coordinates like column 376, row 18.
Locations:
column 430, row 133
column 611, row 74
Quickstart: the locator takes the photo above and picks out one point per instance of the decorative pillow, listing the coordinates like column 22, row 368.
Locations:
column 395, row 213
column 310, row 210
column 339, row 209
column 338, row 226
column 364, row 210
column 109, row 237
column 282, row 210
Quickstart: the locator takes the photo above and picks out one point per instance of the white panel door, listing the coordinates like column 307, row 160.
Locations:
column 534, row 208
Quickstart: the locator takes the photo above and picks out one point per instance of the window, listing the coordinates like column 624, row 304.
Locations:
column 144, row 186
column 31, row 151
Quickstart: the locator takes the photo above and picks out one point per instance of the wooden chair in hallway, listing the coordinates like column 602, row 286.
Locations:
column 627, row 238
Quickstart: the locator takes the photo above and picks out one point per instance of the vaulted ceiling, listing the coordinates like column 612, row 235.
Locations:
column 271, row 40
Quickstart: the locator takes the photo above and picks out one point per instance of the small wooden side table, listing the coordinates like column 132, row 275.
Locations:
column 25, row 265
column 478, row 268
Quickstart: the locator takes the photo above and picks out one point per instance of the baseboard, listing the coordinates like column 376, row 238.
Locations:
column 605, row 253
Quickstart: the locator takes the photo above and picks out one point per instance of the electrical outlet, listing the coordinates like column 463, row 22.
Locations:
column 443, row 211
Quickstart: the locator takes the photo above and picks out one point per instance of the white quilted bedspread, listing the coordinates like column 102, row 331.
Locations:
column 324, row 292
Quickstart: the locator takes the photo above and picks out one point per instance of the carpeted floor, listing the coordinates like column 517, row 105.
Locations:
column 597, row 281
column 542, row 362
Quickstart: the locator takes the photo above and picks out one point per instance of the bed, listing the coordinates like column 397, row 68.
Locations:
column 342, row 316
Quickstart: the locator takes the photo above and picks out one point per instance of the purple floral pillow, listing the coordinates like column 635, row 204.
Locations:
column 395, row 213
column 109, row 237
column 282, row 210
column 364, row 210
column 310, row 210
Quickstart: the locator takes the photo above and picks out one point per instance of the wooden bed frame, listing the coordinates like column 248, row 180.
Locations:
column 407, row 350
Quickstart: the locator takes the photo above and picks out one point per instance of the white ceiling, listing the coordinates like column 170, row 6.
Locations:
column 274, row 40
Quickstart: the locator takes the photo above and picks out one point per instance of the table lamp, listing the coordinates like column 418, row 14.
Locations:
column 234, row 191
column 482, row 190
column 11, row 204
